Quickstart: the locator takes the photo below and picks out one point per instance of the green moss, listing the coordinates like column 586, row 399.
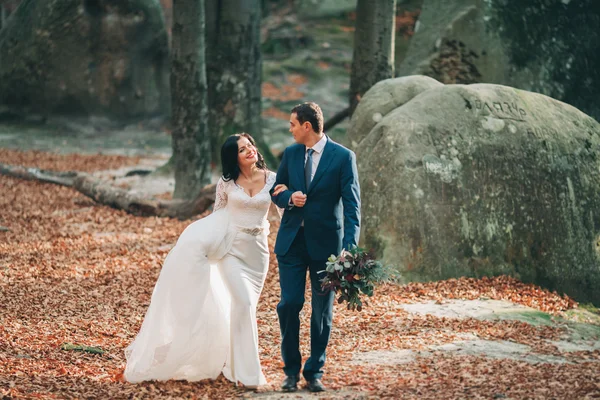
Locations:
column 336, row 36
column 271, row 69
column 78, row 347
column 531, row 317
column 581, row 331
column 590, row 307
column 538, row 32
column 165, row 169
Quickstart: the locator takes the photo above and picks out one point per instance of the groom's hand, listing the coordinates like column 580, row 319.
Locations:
column 298, row 199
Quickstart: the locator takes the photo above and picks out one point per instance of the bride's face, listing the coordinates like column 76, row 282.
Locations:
column 247, row 153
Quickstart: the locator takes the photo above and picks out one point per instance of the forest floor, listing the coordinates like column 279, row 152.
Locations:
column 75, row 272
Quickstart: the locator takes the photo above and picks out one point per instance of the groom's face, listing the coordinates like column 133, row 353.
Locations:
column 300, row 132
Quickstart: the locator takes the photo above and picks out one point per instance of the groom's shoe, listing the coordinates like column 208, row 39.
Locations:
column 315, row 385
column 290, row 383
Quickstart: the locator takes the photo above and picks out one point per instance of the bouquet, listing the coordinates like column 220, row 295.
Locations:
column 351, row 273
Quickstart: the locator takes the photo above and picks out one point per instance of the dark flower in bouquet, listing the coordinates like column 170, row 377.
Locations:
column 353, row 275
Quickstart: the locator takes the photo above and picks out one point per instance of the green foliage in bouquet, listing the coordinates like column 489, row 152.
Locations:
column 352, row 274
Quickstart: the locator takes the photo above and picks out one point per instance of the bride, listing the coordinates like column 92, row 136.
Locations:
column 202, row 316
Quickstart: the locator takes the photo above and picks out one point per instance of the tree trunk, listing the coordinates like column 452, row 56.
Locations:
column 105, row 193
column 190, row 138
column 373, row 58
column 3, row 16
column 234, row 68
column 85, row 57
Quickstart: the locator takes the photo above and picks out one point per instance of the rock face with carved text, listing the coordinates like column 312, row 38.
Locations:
column 475, row 180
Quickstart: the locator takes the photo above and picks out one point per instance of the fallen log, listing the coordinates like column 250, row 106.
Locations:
column 105, row 193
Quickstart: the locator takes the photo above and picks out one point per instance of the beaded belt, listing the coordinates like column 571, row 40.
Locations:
column 252, row 231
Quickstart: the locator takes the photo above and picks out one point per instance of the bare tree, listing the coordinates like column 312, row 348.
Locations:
column 3, row 16
column 190, row 137
column 373, row 58
column 234, row 68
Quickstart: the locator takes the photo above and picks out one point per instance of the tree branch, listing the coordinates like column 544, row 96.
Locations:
column 59, row 178
column 336, row 119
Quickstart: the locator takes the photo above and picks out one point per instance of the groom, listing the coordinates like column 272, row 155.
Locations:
column 322, row 200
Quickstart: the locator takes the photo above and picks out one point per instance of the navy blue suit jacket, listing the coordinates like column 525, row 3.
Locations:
column 332, row 203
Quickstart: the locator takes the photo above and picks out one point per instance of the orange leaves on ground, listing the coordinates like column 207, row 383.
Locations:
column 270, row 90
column 276, row 113
column 286, row 92
column 75, row 272
column 323, row 65
column 497, row 288
column 297, row 79
column 59, row 162
column 405, row 22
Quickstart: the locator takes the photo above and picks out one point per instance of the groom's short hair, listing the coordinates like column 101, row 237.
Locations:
column 310, row 112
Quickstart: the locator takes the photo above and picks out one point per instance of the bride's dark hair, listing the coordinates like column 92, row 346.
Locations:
column 229, row 156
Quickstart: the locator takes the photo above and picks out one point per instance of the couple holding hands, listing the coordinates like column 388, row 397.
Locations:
column 201, row 321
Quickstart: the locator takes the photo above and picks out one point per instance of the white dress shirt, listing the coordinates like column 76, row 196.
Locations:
column 316, row 157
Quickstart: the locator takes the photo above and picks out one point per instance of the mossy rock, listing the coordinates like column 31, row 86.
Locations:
column 480, row 180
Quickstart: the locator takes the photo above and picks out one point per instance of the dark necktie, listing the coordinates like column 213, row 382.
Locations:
column 308, row 168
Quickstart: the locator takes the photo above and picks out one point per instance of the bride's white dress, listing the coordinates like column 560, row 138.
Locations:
column 202, row 315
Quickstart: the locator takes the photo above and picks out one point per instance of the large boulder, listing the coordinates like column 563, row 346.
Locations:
column 474, row 180
column 383, row 97
column 550, row 47
column 106, row 58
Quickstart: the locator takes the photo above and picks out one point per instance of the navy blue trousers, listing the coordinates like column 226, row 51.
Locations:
column 292, row 278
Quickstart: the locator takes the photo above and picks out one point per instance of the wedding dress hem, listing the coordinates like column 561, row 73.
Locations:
column 201, row 321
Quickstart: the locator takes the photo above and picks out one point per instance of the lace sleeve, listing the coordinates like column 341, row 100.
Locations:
column 221, row 196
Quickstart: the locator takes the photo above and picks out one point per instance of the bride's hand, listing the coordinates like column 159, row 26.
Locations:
column 279, row 188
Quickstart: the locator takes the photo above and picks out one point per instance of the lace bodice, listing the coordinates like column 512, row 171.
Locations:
column 245, row 211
